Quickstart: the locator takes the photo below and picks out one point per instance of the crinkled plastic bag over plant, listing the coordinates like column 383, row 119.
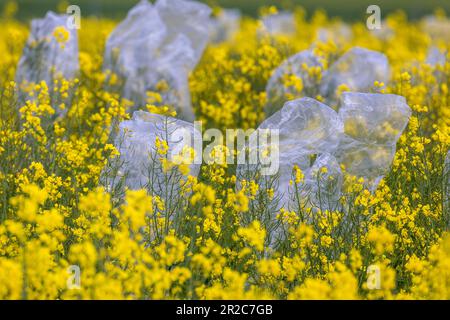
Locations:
column 46, row 59
column 139, row 162
column 384, row 33
column 225, row 25
column 362, row 138
column 436, row 57
column 188, row 18
column 155, row 48
column 294, row 67
column 374, row 118
column 281, row 23
column 437, row 27
column 339, row 33
column 373, row 123
column 132, row 46
column 307, row 128
column 358, row 69
column 322, row 188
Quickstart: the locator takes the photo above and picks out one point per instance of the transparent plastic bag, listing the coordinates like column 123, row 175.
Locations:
column 140, row 163
column 306, row 129
column 44, row 58
column 372, row 123
column 358, row 69
column 294, row 67
column 225, row 25
column 279, row 23
column 155, row 48
column 361, row 138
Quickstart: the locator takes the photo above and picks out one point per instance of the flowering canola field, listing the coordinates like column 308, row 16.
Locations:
column 214, row 239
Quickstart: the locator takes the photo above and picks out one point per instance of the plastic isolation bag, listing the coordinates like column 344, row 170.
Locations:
column 358, row 69
column 137, row 141
column 155, row 48
column 44, row 58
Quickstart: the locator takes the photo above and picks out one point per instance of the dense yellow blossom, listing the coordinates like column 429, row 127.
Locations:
column 216, row 237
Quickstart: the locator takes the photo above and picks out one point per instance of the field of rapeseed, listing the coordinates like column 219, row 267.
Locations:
column 212, row 235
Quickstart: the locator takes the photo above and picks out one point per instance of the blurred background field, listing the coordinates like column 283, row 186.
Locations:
column 349, row 10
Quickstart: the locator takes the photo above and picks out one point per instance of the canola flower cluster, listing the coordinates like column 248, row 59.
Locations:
column 216, row 237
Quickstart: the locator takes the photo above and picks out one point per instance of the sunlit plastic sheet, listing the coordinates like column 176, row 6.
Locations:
column 359, row 140
column 296, row 66
column 372, row 123
column 358, row 69
column 46, row 59
column 139, row 161
column 338, row 33
column 436, row 57
column 155, row 48
column 225, row 25
column 281, row 23
column 307, row 129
